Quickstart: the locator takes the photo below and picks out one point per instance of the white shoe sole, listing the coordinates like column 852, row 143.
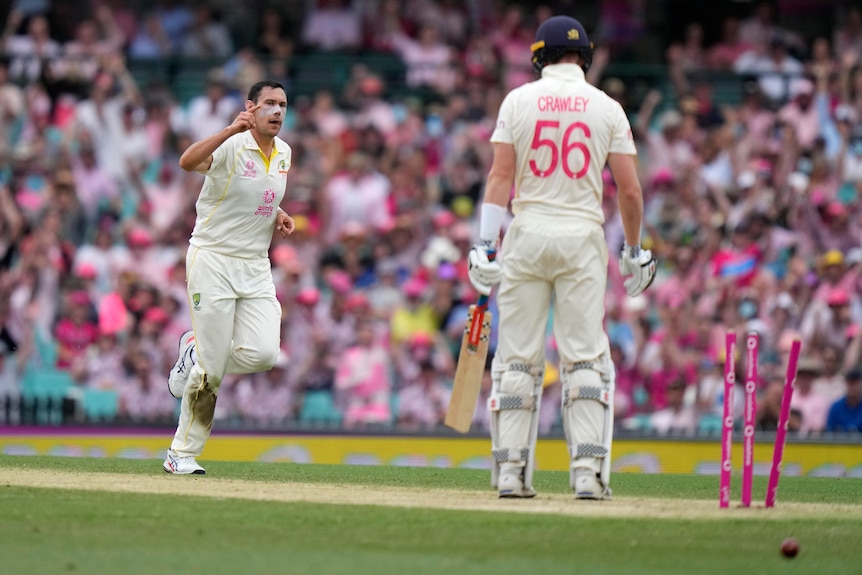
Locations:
column 195, row 472
column 181, row 357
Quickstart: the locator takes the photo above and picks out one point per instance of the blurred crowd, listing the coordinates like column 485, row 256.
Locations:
column 752, row 208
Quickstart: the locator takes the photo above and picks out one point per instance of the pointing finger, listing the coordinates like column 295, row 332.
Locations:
column 255, row 108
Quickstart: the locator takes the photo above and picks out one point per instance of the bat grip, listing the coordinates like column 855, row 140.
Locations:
column 482, row 302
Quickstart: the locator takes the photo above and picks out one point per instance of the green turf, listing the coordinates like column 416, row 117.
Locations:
column 801, row 489
column 57, row 531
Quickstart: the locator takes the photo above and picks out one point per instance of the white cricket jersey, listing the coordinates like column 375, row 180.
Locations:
column 240, row 195
column 563, row 130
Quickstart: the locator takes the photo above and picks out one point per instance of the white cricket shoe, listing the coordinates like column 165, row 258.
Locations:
column 182, row 465
column 185, row 362
column 588, row 486
column 511, row 485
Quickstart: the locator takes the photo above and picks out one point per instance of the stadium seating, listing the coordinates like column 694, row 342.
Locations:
column 100, row 405
column 318, row 407
column 42, row 393
column 709, row 424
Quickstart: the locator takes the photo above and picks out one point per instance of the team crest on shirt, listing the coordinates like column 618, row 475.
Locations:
column 196, row 300
column 282, row 167
column 250, row 171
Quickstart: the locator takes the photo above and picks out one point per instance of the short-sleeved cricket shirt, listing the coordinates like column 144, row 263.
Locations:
column 237, row 205
column 563, row 129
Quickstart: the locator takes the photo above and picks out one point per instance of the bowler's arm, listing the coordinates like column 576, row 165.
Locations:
column 199, row 156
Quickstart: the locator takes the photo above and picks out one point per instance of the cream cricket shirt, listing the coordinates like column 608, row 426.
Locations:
column 563, row 130
column 237, row 204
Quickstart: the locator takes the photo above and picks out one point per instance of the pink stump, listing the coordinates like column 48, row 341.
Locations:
column 751, row 345
column 784, row 416
column 727, row 420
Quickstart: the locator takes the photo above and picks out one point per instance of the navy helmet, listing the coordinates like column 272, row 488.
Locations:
column 558, row 35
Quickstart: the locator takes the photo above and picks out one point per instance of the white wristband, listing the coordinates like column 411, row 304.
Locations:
column 492, row 222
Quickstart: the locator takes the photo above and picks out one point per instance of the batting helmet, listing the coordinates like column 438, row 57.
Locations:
column 557, row 36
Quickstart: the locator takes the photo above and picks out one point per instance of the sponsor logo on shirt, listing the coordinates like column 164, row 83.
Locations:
column 250, row 171
column 267, row 207
column 282, row 168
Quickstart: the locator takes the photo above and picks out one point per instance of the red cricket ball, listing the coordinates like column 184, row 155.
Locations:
column 789, row 547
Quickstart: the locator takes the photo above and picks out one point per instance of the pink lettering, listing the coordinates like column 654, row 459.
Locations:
column 563, row 103
column 265, row 211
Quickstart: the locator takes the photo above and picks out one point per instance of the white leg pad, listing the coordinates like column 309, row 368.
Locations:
column 516, row 394
column 587, row 415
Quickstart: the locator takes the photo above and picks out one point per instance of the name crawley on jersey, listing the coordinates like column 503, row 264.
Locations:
column 563, row 103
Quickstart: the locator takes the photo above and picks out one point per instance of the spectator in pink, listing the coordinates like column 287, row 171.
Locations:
column 76, row 331
column 334, row 320
column 102, row 366
column 357, row 195
column 362, row 380
column 730, row 46
column 142, row 391
column 424, row 400
column 332, row 25
column 801, row 114
column 428, row 59
column 667, row 356
column 96, row 188
column 306, row 331
column 826, row 323
column 667, row 148
column 834, row 271
column 848, row 34
column 210, row 112
column 737, row 264
column 813, row 407
column 690, row 54
column 141, row 258
column 512, row 39
column 168, row 198
column 274, row 385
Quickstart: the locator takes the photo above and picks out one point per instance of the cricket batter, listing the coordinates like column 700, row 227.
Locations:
column 552, row 140
column 236, row 318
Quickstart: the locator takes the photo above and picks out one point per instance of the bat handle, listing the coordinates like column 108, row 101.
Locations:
column 482, row 302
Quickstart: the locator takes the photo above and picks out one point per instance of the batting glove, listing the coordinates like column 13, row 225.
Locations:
column 483, row 272
column 640, row 265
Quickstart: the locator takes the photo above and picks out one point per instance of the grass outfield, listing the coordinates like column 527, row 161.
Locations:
column 76, row 515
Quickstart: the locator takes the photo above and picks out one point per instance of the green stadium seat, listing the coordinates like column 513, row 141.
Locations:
column 709, row 424
column 318, row 406
column 43, row 390
column 46, row 349
column 101, row 404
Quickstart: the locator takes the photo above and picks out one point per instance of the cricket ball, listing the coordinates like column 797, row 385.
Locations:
column 789, row 547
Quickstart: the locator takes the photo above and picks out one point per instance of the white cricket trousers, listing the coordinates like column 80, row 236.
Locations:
column 568, row 260
column 237, row 323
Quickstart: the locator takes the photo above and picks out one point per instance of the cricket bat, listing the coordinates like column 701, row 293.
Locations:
column 471, row 365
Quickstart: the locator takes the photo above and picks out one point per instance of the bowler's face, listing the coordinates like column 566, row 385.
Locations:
column 270, row 116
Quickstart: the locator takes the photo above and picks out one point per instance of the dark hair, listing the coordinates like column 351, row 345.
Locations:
column 254, row 91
